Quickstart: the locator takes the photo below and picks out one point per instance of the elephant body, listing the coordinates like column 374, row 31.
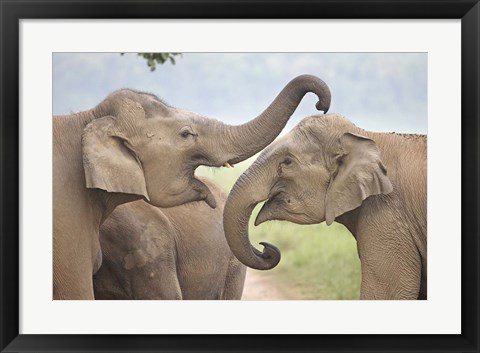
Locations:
column 328, row 169
column 77, row 213
column 168, row 253
column 133, row 146
column 391, row 229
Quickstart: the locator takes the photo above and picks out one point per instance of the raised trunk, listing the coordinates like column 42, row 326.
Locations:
column 250, row 189
column 243, row 141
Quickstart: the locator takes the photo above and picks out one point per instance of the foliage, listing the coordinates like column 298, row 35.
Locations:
column 318, row 261
column 158, row 58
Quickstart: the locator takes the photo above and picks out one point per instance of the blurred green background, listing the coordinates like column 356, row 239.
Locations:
column 318, row 261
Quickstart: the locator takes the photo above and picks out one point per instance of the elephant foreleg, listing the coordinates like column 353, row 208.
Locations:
column 234, row 280
column 72, row 272
column 74, row 285
column 391, row 278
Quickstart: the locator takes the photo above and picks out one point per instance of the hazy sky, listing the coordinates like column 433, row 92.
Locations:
column 376, row 91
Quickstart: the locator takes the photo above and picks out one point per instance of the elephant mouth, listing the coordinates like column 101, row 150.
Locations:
column 277, row 208
column 270, row 208
column 226, row 164
column 205, row 194
column 201, row 191
column 199, row 159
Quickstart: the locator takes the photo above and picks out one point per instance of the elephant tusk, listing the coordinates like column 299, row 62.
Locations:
column 228, row 165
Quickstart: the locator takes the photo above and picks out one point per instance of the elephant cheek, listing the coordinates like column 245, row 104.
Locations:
column 161, row 200
column 165, row 200
column 167, row 190
column 163, row 197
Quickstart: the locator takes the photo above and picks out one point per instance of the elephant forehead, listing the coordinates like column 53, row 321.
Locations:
column 155, row 108
column 187, row 115
column 302, row 144
column 143, row 98
column 293, row 143
column 166, row 124
column 151, row 104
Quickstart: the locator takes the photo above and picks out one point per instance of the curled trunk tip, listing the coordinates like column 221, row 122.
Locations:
column 243, row 141
column 271, row 253
column 319, row 87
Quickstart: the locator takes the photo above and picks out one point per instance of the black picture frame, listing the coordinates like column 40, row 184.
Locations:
column 12, row 11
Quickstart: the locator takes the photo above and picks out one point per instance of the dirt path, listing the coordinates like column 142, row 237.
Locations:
column 261, row 287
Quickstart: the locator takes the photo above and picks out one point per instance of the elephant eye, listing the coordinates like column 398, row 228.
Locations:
column 186, row 132
column 287, row 161
column 284, row 166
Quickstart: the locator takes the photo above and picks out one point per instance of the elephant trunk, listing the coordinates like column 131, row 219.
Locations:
column 252, row 187
column 243, row 141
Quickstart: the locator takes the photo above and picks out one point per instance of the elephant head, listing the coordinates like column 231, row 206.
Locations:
column 323, row 168
column 137, row 144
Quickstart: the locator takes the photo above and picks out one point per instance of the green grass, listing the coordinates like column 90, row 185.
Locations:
column 318, row 261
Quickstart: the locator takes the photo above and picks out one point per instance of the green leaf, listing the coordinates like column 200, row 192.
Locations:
column 160, row 58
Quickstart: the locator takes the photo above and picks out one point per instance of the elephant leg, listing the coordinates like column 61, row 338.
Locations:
column 152, row 270
column 388, row 277
column 136, row 275
column 110, row 282
column 234, row 280
column 152, row 281
column 72, row 274
column 75, row 285
column 156, row 282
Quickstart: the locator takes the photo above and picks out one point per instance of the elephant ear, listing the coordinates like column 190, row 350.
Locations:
column 360, row 174
column 109, row 161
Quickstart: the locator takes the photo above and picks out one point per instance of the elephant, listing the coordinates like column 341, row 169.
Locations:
column 134, row 146
column 168, row 253
column 328, row 169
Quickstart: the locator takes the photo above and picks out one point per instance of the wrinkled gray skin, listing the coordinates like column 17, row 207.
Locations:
column 327, row 169
column 168, row 253
column 134, row 146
